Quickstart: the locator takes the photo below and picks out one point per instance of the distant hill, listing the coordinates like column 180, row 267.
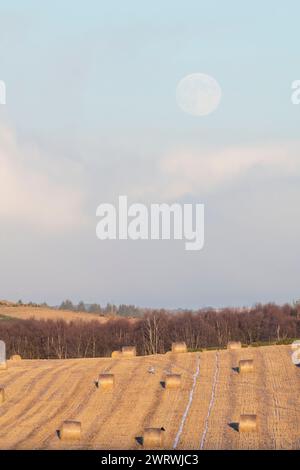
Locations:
column 22, row 312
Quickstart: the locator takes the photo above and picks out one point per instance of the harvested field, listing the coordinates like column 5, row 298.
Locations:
column 203, row 412
column 39, row 313
column 25, row 313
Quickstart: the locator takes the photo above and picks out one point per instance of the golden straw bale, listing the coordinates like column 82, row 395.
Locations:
column 3, row 365
column 2, row 395
column 173, row 381
column 179, row 347
column 15, row 357
column 106, row 381
column 70, row 430
column 234, row 345
column 248, row 423
column 115, row 354
column 246, row 365
column 128, row 351
column 153, row 437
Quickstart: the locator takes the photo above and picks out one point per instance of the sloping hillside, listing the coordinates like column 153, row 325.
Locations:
column 202, row 414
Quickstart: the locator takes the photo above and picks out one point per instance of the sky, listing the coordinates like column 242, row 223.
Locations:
column 91, row 114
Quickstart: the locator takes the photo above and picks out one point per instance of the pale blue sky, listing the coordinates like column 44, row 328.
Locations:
column 109, row 64
column 91, row 114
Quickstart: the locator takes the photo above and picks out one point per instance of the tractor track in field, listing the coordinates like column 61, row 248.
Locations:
column 212, row 400
column 189, row 404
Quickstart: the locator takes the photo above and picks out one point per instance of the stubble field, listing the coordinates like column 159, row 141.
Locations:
column 202, row 414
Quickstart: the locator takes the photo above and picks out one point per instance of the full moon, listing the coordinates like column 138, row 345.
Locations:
column 198, row 94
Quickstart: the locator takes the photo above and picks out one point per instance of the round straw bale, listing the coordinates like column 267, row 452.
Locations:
column 173, row 381
column 116, row 354
column 106, row 381
column 179, row 347
column 234, row 345
column 153, row 437
column 70, row 430
column 2, row 395
column 248, row 423
column 15, row 357
column 246, row 365
column 129, row 351
column 3, row 365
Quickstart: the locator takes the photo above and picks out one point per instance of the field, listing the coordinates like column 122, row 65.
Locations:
column 202, row 414
column 25, row 313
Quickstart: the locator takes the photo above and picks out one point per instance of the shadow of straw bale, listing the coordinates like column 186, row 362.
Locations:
column 234, row 426
column 139, row 440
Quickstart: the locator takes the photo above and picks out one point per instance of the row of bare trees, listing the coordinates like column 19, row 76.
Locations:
column 153, row 333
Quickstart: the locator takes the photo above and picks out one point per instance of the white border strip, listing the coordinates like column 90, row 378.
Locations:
column 185, row 414
column 213, row 393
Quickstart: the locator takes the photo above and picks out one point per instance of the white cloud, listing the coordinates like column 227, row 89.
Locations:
column 36, row 189
column 190, row 172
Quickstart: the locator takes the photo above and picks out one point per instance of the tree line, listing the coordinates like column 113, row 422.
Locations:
column 109, row 310
column 152, row 333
